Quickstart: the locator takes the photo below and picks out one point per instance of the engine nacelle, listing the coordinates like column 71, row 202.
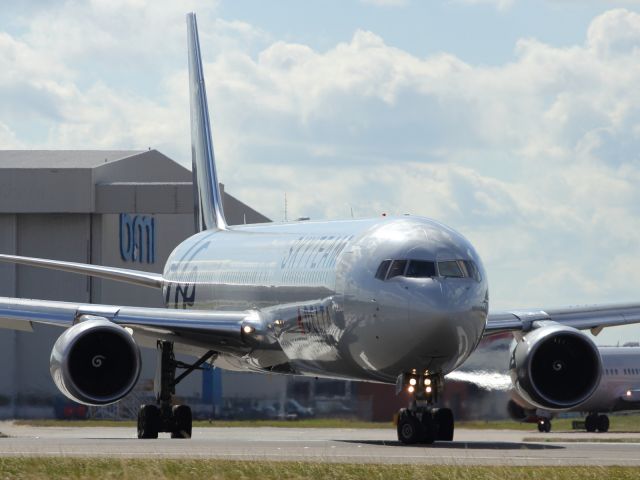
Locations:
column 555, row 367
column 95, row 362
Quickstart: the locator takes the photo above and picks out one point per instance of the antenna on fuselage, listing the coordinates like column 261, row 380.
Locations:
column 208, row 210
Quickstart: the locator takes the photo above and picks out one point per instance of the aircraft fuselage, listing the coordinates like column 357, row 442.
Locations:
column 324, row 309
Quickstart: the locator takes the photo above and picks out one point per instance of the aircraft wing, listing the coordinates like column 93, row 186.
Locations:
column 136, row 277
column 590, row 317
column 219, row 330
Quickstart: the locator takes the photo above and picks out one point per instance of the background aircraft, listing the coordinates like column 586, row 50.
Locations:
column 399, row 300
column 619, row 390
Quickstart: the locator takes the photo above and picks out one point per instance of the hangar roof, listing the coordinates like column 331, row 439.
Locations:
column 61, row 158
column 102, row 181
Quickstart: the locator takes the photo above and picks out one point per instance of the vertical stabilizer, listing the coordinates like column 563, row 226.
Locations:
column 208, row 201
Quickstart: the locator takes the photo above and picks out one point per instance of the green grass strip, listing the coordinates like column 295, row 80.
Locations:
column 310, row 423
column 125, row 469
column 582, row 440
column 619, row 423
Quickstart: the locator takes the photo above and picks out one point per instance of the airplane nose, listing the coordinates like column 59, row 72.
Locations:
column 425, row 302
column 445, row 316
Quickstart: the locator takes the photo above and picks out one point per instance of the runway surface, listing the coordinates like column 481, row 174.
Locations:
column 471, row 447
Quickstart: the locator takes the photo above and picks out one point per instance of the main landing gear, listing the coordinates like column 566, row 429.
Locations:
column 420, row 422
column 544, row 425
column 164, row 416
column 597, row 422
column 592, row 423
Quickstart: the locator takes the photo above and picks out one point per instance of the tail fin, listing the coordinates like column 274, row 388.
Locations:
column 208, row 201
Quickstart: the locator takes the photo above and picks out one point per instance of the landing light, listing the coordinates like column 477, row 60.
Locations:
column 428, row 389
column 628, row 393
column 412, row 381
column 411, row 389
column 427, row 381
column 248, row 329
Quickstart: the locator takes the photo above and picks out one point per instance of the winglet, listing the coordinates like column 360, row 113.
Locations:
column 208, row 200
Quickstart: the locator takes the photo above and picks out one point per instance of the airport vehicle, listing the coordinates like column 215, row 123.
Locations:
column 399, row 300
column 619, row 390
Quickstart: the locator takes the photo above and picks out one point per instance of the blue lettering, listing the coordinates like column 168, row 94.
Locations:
column 137, row 238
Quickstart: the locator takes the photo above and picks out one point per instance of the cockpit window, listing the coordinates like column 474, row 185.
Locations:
column 397, row 268
column 421, row 269
column 425, row 269
column 473, row 270
column 381, row 273
column 452, row 268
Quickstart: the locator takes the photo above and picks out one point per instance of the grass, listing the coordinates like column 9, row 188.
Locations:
column 582, row 440
column 307, row 423
column 124, row 469
column 619, row 423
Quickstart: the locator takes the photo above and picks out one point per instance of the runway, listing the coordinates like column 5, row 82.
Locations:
column 471, row 447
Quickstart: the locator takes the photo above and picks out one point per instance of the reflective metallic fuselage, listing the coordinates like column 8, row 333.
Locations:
column 320, row 310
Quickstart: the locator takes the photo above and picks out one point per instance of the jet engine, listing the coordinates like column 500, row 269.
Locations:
column 95, row 362
column 555, row 367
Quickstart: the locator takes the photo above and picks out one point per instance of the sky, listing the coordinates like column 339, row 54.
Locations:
column 515, row 122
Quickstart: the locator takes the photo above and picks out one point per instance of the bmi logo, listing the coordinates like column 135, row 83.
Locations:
column 137, row 238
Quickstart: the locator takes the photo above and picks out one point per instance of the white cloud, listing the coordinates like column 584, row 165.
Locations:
column 8, row 140
column 616, row 32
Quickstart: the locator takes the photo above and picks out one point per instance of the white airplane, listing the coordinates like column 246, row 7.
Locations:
column 399, row 300
column 619, row 390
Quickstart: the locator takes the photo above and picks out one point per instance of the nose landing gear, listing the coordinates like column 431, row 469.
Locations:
column 421, row 422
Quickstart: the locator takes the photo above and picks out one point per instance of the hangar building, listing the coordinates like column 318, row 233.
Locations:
column 120, row 208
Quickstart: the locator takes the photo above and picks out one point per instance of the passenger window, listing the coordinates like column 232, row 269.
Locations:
column 382, row 270
column 450, row 269
column 421, row 269
column 397, row 268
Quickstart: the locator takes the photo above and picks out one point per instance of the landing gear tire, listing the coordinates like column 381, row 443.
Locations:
column 409, row 429
column 443, row 421
column 182, row 421
column 428, row 428
column 148, row 421
column 603, row 423
column 544, row 426
column 591, row 423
